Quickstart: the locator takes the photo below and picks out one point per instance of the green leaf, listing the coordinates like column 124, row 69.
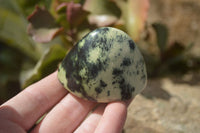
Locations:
column 46, row 65
column 42, row 27
column 11, row 5
column 28, row 5
column 13, row 33
column 10, row 64
column 162, row 36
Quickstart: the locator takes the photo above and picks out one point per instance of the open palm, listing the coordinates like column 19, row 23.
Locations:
column 65, row 113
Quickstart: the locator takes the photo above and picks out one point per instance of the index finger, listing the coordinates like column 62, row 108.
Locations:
column 29, row 105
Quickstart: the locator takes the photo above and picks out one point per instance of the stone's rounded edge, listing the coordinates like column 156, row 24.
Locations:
column 63, row 78
column 133, row 46
column 145, row 73
column 146, row 76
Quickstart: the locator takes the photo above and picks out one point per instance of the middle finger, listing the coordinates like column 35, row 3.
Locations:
column 66, row 115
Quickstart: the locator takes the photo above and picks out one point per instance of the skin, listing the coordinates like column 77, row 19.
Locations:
column 65, row 112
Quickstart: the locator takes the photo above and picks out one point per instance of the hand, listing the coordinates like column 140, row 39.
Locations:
column 65, row 113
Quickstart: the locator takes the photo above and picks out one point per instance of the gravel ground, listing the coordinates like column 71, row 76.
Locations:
column 166, row 105
column 171, row 104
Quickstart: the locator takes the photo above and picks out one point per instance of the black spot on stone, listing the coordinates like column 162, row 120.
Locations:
column 131, row 44
column 117, row 72
column 119, row 38
column 95, row 68
column 102, row 31
column 93, row 71
column 98, row 90
column 102, row 83
column 126, row 91
column 73, row 86
column 108, row 93
column 87, row 44
column 90, row 98
column 72, row 68
column 138, row 72
column 105, row 45
column 113, row 82
column 126, row 62
column 103, row 41
column 121, row 81
column 143, row 77
column 69, row 65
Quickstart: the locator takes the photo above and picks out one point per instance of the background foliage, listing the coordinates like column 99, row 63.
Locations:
column 36, row 34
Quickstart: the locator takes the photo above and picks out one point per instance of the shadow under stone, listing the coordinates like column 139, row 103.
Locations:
column 154, row 90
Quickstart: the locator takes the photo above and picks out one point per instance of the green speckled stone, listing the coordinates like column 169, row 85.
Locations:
column 104, row 66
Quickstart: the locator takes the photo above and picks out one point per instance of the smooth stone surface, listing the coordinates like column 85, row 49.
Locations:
column 104, row 66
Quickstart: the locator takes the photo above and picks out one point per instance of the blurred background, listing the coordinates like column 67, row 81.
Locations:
column 36, row 34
